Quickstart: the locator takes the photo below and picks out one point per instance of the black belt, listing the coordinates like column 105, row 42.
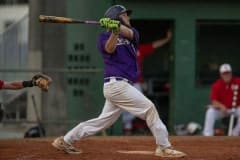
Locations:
column 108, row 79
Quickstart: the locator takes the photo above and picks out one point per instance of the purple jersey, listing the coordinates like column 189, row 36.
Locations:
column 123, row 62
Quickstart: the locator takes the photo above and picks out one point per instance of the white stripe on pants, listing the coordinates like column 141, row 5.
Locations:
column 122, row 96
column 214, row 114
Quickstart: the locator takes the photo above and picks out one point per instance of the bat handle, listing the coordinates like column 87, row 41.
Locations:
column 230, row 127
column 42, row 18
column 92, row 22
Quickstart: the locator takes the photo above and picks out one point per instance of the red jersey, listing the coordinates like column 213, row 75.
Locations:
column 223, row 92
column 1, row 84
column 143, row 51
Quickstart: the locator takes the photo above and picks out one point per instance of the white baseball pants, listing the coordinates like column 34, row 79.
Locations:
column 214, row 114
column 127, row 118
column 122, row 96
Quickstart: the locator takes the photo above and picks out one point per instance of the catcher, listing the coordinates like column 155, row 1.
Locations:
column 41, row 80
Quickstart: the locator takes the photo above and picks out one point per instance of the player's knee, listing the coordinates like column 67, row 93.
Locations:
column 238, row 112
column 211, row 111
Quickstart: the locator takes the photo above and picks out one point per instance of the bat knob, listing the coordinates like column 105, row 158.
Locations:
column 41, row 18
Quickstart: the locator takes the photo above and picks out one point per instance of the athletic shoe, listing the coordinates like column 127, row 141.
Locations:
column 60, row 144
column 168, row 153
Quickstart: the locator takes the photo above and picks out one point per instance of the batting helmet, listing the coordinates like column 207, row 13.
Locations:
column 114, row 12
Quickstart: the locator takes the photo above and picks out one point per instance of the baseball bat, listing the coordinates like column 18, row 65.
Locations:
column 230, row 128
column 234, row 105
column 55, row 19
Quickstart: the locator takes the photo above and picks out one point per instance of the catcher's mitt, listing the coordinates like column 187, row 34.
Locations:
column 42, row 81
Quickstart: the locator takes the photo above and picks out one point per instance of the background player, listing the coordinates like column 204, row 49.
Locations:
column 118, row 47
column 40, row 80
column 222, row 98
column 15, row 85
column 144, row 50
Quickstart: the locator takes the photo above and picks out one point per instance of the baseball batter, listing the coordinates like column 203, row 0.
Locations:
column 222, row 93
column 118, row 47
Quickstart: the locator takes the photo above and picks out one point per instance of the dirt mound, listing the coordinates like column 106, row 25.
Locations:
column 117, row 148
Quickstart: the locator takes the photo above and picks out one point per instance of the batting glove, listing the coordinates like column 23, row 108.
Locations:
column 104, row 22
column 108, row 23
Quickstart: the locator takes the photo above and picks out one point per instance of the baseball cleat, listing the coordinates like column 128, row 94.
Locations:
column 60, row 144
column 169, row 153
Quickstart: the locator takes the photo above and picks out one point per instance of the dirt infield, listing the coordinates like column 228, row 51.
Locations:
column 107, row 148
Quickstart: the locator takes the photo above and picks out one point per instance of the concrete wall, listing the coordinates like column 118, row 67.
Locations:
column 11, row 14
column 47, row 50
column 54, row 42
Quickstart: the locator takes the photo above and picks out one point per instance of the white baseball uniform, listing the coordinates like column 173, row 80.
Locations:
column 120, row 71
column 120, row 96
column 214, row 114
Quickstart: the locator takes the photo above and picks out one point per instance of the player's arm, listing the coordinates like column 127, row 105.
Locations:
column 218, row 105
column 41, row 80
column 215, row 100
column 17, row 85
column 161, row 42
column 111, row 43
column 126, row 32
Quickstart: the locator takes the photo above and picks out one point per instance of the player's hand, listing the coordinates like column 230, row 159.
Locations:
column 104, row 22
column 108, row 23
column 115, row 27
column 224, row 110
column 169, row 34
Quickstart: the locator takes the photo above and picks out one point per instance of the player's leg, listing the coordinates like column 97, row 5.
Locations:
column 236, row 130
column 127, row 118
column 211, row 116
column 130, row 99
column 109, row 115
